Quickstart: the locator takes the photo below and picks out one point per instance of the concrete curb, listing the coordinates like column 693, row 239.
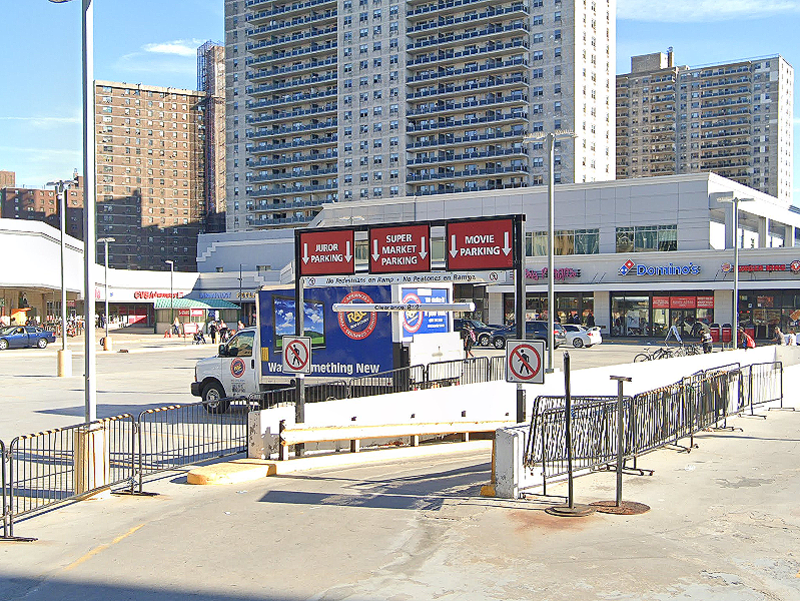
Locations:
column 245, row 470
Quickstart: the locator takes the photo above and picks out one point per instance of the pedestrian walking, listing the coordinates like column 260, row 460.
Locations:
column 468, row 336
column 708, row 341
column 212, row 330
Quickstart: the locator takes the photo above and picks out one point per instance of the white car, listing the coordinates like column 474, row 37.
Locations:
column 578, row 336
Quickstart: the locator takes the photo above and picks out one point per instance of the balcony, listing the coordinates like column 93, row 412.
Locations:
column 290, row 99
column 452, row 123
column 270, row 88
column 270, row 177
column 330, row 108
column 267, row 73
column 516, row 98
column 450, row 157
column 263, row 133
column 447, row 23
column 445, row 140
column 265, row 148
column 282, row 56
column 279, row 222
column 317, row 34
column 493, row 83
column 271, row 12
column 455, row 39
column 451, row 73
column 283, row 190
column 295, row 159
column 260, row 33
column 421, row 177
column 452, row 55
column 452, row 189
column 444, row 7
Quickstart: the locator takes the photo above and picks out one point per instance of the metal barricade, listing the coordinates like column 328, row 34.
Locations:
column 762, row 383
column 396, row 380
column 180, row 435
column 59, row 465
column 497, row 368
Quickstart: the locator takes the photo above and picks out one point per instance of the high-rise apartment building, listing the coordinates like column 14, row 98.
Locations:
column 8, row 179
column 211, row 80
column 333, row 100
column 44, row 205
column 734, row 119
column 150, row 174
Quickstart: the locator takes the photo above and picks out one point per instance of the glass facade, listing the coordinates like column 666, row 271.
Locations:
column 642, row 238
column 569, row 307
column 764, row 309
column 642, row 314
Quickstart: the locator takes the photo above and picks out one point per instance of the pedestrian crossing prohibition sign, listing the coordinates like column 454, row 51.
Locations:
column 296, row 354
column 525, row 361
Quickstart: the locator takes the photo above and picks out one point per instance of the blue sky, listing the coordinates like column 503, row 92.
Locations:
column 154, row 42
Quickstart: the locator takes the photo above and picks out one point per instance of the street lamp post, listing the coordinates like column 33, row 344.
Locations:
column 241, row 313
column 64, row 355
column 735, row 200
column 550, row 140
column 90, row 356
column 171, row 296
column 105, row 241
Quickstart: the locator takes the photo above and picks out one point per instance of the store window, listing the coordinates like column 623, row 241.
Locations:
column 643, row 238
column 630, row 315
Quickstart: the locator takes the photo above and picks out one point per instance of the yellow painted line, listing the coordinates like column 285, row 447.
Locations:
column 97, row 550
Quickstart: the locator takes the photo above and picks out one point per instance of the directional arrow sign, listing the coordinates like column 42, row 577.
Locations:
column 481, row 244
column 399, row 249
column 327, row 253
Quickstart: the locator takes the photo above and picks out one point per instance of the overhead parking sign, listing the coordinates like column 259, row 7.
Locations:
column 296, row 354
column 525, row 361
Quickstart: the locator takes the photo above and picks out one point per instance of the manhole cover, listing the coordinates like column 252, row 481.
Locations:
column 565, row 511
column 625, row 508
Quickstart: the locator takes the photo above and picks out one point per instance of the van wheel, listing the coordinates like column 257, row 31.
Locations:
column 213, row 396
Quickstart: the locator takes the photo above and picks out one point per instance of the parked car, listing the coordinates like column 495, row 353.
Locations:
column 483, row 332
column 578, row 336
column 534, row 330
column 24, row 336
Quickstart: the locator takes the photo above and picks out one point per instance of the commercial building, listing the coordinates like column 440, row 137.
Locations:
column 734, row 119
column 333, row 100
column 211, row 80
column 639, row 255
column 150, row 174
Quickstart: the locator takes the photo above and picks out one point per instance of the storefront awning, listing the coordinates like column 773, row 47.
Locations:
column 191, row 303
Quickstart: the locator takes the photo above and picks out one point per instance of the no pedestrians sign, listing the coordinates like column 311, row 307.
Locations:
column 296, row 354
column 525, row 361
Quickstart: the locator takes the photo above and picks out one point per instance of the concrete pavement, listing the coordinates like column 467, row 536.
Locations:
column 724, row 526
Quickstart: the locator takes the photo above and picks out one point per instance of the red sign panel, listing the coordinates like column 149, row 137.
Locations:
column 403, row 248
column 705, row 302
column 484, row 244
column 183, row 312
column 660, row 302
column 682, row 302
column 327, row 253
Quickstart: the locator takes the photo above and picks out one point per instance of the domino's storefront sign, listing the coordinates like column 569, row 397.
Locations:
column 641, row 269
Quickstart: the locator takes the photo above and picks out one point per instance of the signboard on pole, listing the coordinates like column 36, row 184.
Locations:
column 525, row 361
column 480, row 244
column 296, row 354
column 399, row 249
column 327, row 252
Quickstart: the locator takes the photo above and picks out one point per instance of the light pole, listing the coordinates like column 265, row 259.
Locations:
column 241, row 313
column 90, row 356
column 735, row 200
column 64, row 356
column 550, row 139
column 105, row 241
column 171, row 296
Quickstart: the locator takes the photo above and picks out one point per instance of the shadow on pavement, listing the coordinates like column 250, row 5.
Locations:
column 423, row 492
column 17, row 588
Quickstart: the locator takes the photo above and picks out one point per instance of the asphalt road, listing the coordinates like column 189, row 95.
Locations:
column 723, row 526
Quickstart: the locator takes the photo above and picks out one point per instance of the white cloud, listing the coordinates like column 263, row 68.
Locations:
column 44, row 121
column 691, row 11
column 175, row 47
